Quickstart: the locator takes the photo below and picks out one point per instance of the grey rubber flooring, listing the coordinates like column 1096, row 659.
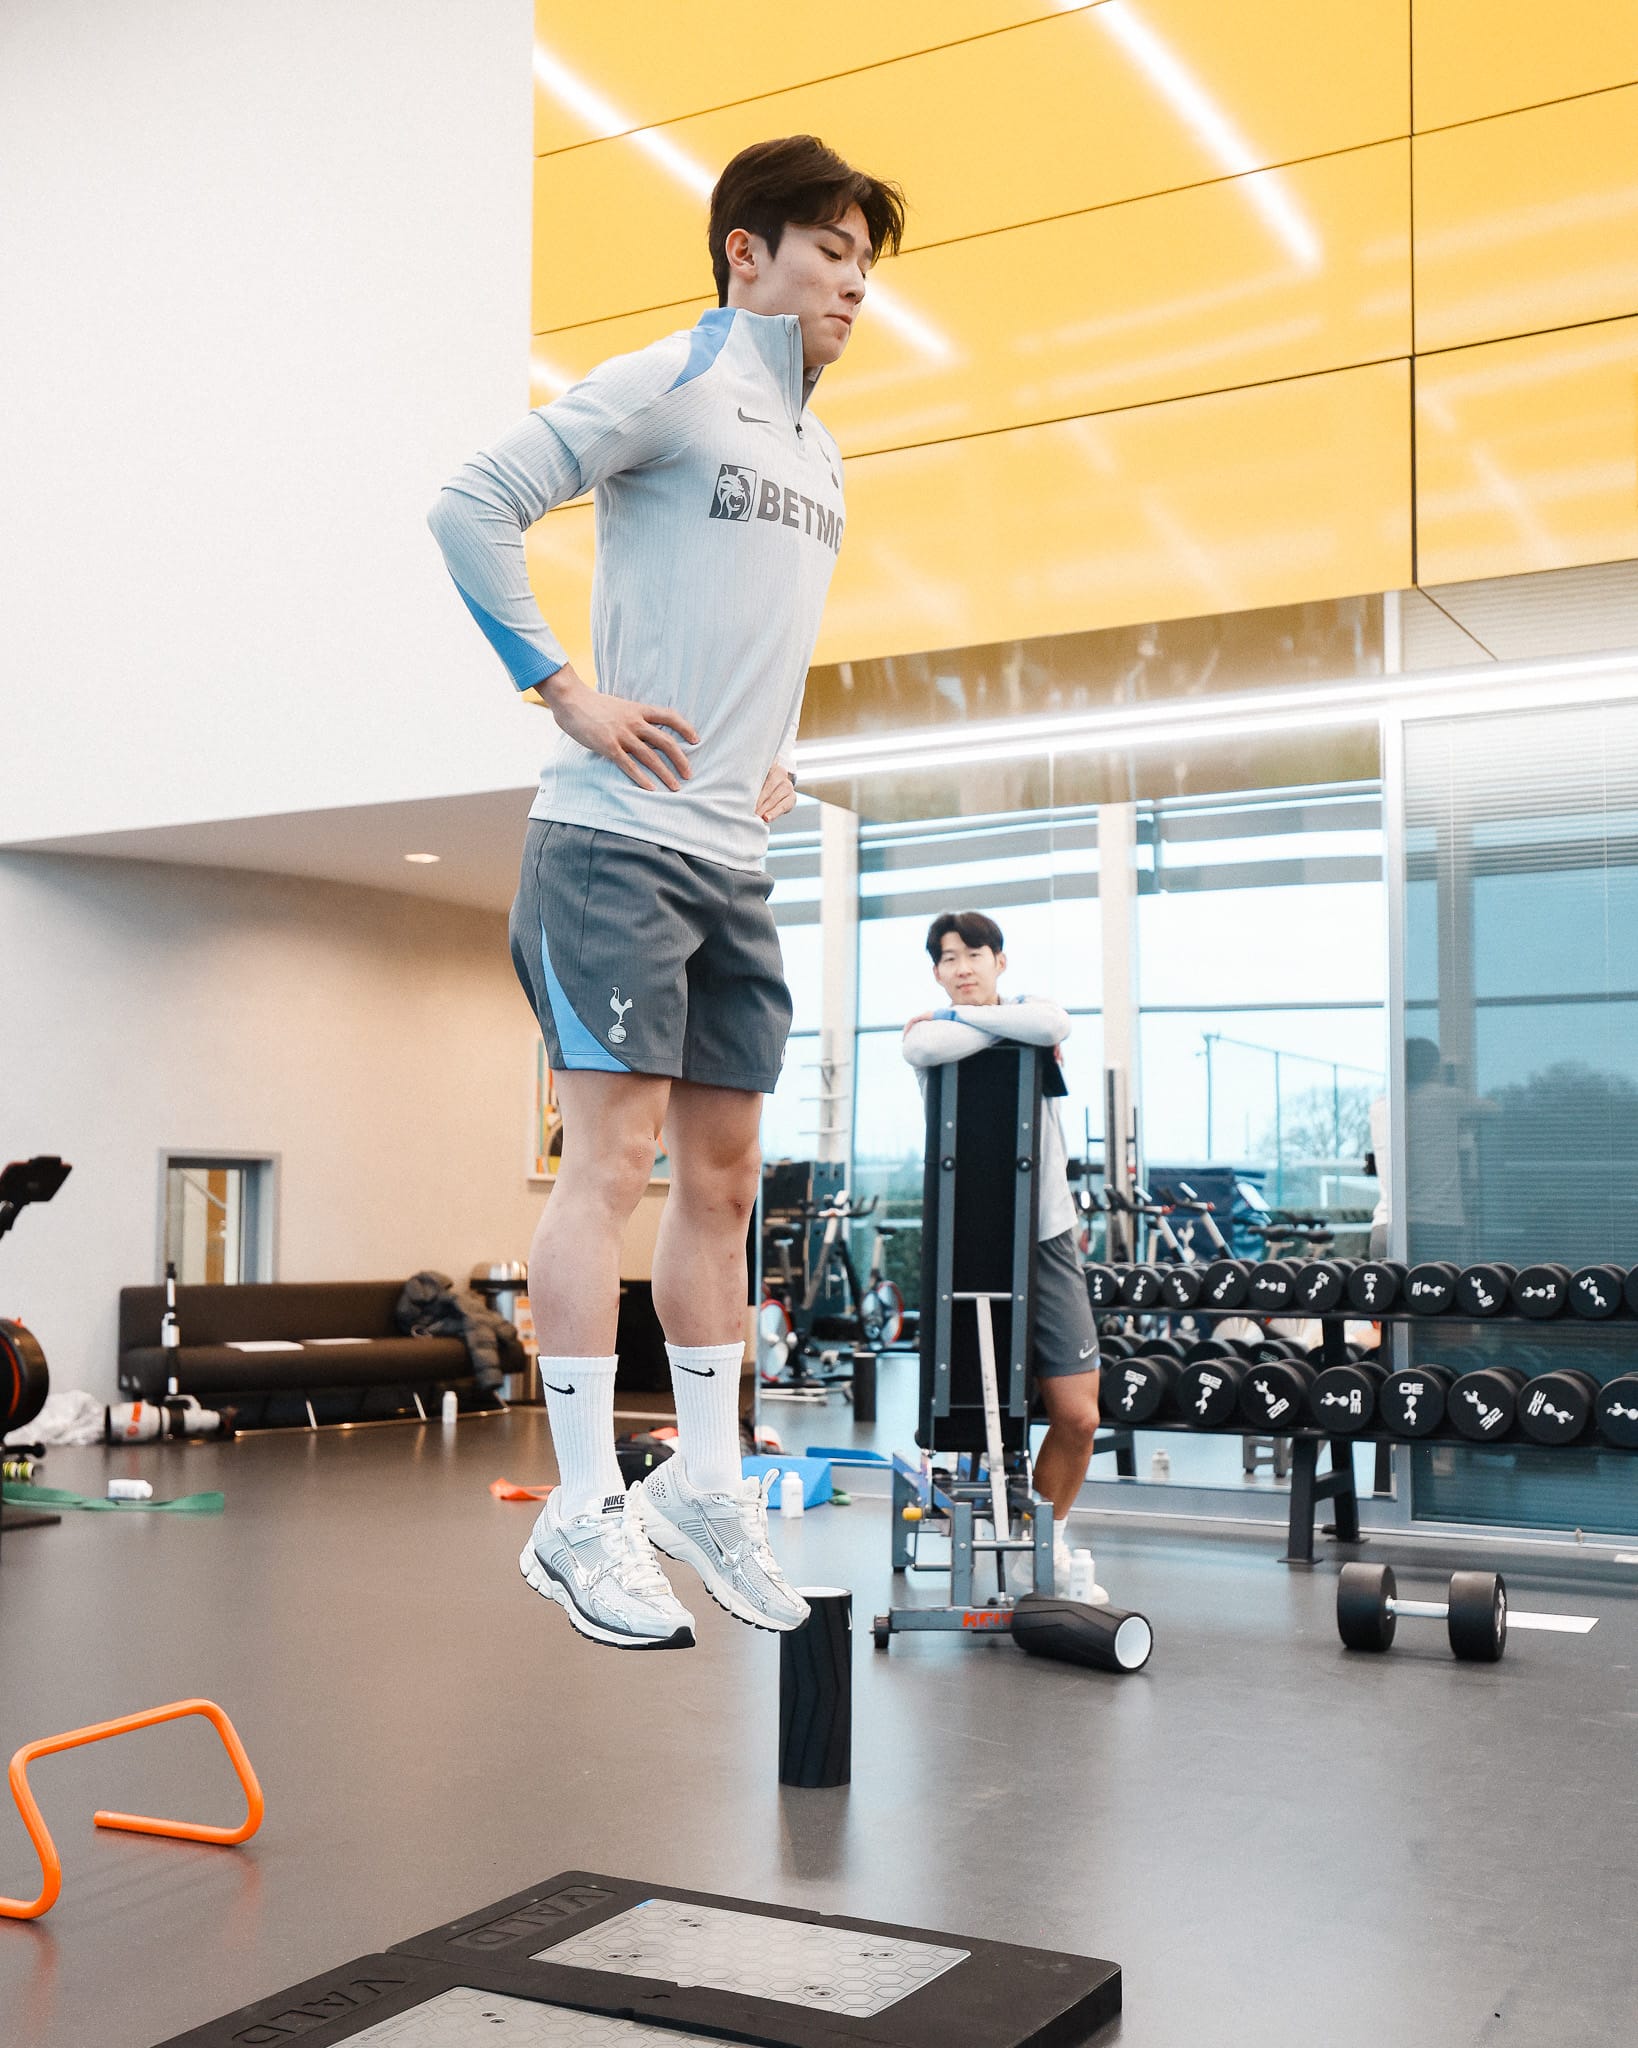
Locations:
column 1280, row 1842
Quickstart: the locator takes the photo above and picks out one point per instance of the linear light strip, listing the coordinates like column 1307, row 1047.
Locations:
column 607, row 122
column 1327, row 706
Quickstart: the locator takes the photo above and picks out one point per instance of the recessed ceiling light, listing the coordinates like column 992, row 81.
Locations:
column 423, row 859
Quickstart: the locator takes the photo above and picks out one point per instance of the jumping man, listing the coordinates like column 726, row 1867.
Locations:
column 641, row 930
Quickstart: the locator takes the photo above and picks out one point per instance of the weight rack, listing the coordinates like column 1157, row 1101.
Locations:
column 1309, row 1486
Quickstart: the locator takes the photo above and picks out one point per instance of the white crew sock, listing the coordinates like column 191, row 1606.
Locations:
column 579, row 1394
column 705, row 1381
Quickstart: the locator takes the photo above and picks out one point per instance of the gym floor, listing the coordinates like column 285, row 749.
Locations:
column 1280, row 1842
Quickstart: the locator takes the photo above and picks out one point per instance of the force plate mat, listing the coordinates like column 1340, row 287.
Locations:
column 591, row 1961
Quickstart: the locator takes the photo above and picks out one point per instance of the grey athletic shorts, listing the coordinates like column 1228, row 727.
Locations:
column 638, row 959
column 1066, row 1337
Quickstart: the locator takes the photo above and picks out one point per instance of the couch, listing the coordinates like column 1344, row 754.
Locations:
column 211, row 1319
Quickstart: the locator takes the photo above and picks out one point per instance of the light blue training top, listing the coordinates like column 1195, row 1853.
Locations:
column 719, row 513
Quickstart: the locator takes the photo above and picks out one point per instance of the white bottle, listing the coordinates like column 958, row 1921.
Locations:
column 1081, row 1576
column 130, row 1489
column 791, row 1502
column 1160, row 1465
column 452, row 1407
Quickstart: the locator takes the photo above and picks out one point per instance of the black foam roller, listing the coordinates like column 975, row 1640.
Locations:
column 816, row 1692
column 1106, row 1638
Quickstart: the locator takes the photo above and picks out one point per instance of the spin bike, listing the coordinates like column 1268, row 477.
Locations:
column 796, row 1323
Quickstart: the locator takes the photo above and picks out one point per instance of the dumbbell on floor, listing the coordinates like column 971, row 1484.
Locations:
column 1475, row 1613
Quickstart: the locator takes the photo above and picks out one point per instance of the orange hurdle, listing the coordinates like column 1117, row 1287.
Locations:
column 134, row 1823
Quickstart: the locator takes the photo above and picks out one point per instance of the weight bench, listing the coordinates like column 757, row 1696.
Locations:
column 979, row 1214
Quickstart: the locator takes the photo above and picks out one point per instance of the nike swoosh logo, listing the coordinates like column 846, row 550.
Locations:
column 557, row 1390
column 752, row 419
column 1087, row 1350
column 708, row 1372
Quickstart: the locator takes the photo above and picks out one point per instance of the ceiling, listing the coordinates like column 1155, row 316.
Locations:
column 478, row 839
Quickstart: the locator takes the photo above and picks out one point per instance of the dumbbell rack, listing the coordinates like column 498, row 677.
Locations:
column 1309, row 1486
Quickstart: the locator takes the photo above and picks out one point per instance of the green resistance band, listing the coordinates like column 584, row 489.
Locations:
column 55, row 1497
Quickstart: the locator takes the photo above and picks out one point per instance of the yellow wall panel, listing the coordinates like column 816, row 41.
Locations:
column 1155, row 299
column 1527, row 454
column 652, row 60
column 1084, row 109
column 1476, row 57
column 1527, row 222
column 1267, row 496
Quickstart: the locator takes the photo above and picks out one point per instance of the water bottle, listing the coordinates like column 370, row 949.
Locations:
column 791, row 1502
column 452, row 1406
column 130, row 1489
column 170, row 1331
column 1160, row 1465
column 1081, row 1575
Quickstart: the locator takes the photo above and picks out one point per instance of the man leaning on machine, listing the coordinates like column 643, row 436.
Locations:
column 965, row 948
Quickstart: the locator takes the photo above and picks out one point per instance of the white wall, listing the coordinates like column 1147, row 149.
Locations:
column 380, row 1043
column 264, row 281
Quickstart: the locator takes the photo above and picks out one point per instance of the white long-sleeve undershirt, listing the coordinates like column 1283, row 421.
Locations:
column 966, row 1028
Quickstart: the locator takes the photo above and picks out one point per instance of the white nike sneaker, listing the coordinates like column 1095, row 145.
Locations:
column 1019, row 1574
column 724, row 1536
column 600, row 1569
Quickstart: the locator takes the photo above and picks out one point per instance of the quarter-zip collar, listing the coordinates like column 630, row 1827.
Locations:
column 777, row 339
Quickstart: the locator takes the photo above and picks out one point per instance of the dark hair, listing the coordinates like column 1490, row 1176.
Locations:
column 971, row 927
column 796, row 181
column 1421, row 1061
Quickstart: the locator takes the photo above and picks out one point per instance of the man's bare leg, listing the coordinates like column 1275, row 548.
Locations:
column 611, row 1130
column 700, row 1282
column 695, row 1506
column 587, row 1551
column 611, row 1124
column 1071, row 1404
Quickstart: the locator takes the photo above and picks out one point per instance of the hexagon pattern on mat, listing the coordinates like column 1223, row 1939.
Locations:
column 464, row 2018
column 827, row 1969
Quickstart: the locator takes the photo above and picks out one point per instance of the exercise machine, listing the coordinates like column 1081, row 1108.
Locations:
column 24, row 1380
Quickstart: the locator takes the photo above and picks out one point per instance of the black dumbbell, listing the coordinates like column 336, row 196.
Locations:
column 1412, row 1403
column 1474, row 1612
column 1161, row 1347
column 1541, row 1291
column 1484, row 1290
column 1103, row 1286
column 1270, row 1350
column 1268, row 1286
column 1343, row 1399
column 1207, row 1391
column 1274, row 1396
column 1137, row 1389
column 1556, row 1407
column 1431, row 1288
column 1595, row 1292
column 1631, row 1289
column 1140, row 1287
column 1203, row 1347
column 1115, row 1345
column 1223, row 1284
column 1181, row 1286
column 1618, row 1411
column 1320, row 1285
column 1373, row 1286
column 1481, row 1405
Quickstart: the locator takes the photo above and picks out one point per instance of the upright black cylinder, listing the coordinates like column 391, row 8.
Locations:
column 816, row 1692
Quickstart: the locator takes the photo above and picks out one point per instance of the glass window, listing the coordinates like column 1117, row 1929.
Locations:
column 1302, row 944
column 790, row 1116
column 802, row 946
column 1287, row 1091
